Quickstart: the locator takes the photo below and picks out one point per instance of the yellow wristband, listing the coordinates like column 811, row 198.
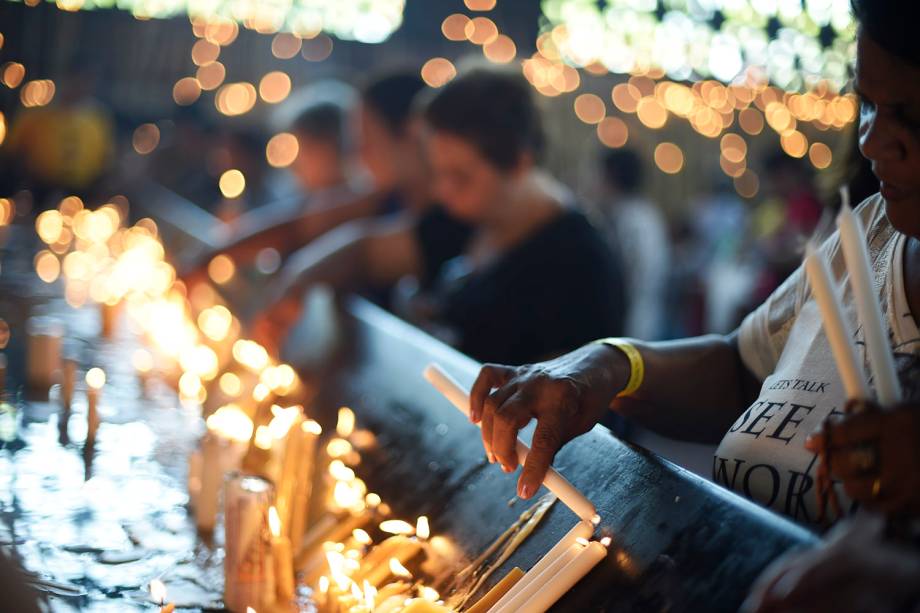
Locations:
column 636, row 364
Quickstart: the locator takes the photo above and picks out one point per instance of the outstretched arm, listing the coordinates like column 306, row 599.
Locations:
column 693, row 390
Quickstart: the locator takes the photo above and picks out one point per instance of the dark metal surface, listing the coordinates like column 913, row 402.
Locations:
column 679, row 543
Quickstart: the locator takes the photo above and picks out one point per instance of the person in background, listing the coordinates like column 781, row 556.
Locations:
column 334, row 196
column 639, row 233
column 525, row 276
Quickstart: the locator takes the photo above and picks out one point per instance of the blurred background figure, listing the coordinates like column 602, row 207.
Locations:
column 637, row 229
column 507, row 270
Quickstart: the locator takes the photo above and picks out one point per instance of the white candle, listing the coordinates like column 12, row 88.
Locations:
column 222, row 450
column 587, row 558
column 836, row 326
column 95, row 379
column 540, row 580
column 283, row 558
column 581, row 530
column 553, row 481
column 881, row 358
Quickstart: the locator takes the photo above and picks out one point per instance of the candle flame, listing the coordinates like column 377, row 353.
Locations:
column 311, row 427
column 582, row 541
column 373, row 500
column 231, row 422
column 250, row 354
column 283, row 419
column 274, row 521
column 340, row 472
column 396, row 526
column 323, row 584
column 606, row 541
column 260, row 392
column 422, row 529
column 361, row 536
column 398, row 570
column 338, row 447
column 230, row 384
column 429, row 594
column 263, row 438
column 250, row 610
column 95, row 378
column 346, row 422
column 596, row 519
column 157, row 591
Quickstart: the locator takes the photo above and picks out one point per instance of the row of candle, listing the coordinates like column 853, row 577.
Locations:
column 210, row 364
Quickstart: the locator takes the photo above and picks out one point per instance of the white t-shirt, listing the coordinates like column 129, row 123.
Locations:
column 762, row 456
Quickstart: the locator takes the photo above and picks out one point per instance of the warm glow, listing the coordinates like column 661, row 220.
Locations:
column 264, row 438
column 190, row 385
column 612, row 132
column 260, row 392
column 794, row 143
column 429, row 594
column 669, row 158
column 340, row 472
column 317, row 49
column 157, row 591
column 221, row 269
column 232, row 183
column 231, row 422
column 204, row 52
column 12, row 74
column 481, row 31
column 146, row 138
column 361, row 536
column 95, row 378
column 748, row 184
column 215, row 322
column 282, row 150
column 230, row 384
column 398, row 569
column 49, row 225
column 751, row 121
column 396, row 526
column 285, row 45
column 438, row 71
column 311, row 427
column 274, row 522
column 480, row 5
column 7, row 211
column 235, row 98
column 501, row 50
column 589, row 108
column 820, row 155
column 422, row 529
column 651, row 113
column 733, row 147
column 142, row 361
column 250, row 354
column 370, row 596
column 345, row 424
column 37, row 93
column 274, row 87
column 454, row 27
column 47, row 266
column 338, row 447
column 210, row 76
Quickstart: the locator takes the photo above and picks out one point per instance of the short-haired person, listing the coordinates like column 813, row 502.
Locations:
column 524, row 276
column 324, row 130
column 762, row 390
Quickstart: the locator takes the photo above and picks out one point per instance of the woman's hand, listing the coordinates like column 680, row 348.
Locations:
column 876, row 454
column 854, row 570
column 566, row 395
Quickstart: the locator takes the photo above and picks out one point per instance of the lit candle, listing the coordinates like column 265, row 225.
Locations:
column 836, row 326
column 310, row 432
column 95, row 379
column 589, row 556
column 143, row 364
column 501, row 588
column 421, row 605
column 399, row 548
column 43, row 357
column 248, row 565
column 222, row 450
column 881, row 358
column 158, row 595
column 582, row 530
column 284, row 559
column 554, row 482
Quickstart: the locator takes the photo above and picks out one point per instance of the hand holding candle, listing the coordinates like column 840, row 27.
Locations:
column 554, row 482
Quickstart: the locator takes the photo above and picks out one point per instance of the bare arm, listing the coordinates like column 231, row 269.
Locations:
column 358, row 254
column 287, row 230
column 693, row 390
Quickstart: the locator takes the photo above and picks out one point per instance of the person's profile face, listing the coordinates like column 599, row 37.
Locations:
column 464, row 181
column 889, row 129
column 318, row 164
column 378, row 148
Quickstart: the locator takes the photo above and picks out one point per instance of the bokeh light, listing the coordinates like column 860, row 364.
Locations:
column 282, row 150
column 612, row 132
column 669, row 158
column 438, row 71
column 232, row 183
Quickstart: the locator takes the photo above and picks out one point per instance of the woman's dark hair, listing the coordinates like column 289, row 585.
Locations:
column 622, row 169
column 892, row 24
column 324, row 121
column 494, row 109
column 391, row 97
